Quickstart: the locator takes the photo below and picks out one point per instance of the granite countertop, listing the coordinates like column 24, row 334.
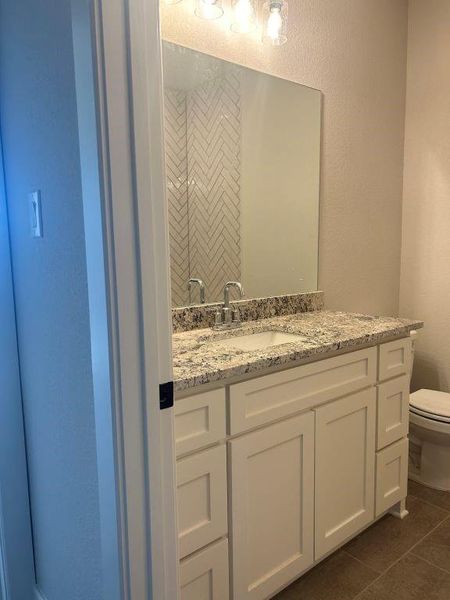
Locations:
column 198, row 360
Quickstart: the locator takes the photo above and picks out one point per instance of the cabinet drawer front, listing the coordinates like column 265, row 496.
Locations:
column 201, row 499
column 265, row 399
column 204, row 576
column 393, row 411
column 392, row 476
column 200, row 420
column 395, row 359
column 345, row 469
column 272, row 504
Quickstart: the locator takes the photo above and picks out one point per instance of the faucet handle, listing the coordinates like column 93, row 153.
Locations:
column 218, row 318
column 236, row 317
column 227, row 315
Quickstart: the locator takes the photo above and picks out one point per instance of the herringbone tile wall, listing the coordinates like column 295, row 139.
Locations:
column 203, row 159
column 177, row 193
column 214, row 149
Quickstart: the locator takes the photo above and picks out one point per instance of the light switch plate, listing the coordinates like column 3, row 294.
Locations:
column 35, row 205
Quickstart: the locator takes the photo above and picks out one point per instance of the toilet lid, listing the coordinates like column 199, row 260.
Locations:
column 431, row 404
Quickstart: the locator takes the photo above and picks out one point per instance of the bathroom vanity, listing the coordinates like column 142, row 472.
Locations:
column 290, row 430
column 287, row 451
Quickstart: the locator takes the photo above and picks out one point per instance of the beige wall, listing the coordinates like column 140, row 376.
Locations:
column 425, row 278
column 355, row 52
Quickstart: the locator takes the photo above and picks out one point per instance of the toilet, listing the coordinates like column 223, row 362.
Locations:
column 429, row 434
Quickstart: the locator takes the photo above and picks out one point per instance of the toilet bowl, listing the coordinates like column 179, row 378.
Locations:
column 429, row 419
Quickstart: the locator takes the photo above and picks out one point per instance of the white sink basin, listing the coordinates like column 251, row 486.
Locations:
column 258, row 341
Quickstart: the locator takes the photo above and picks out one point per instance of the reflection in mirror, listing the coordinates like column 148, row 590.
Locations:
column 243, row 169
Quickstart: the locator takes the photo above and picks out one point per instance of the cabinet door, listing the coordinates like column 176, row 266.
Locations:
column 200, row 421
column 272, row 480
column 395, row 359
column 392, row 476
column 204, row 576
column 201, row 499
column 393, row 411
column 345, row 469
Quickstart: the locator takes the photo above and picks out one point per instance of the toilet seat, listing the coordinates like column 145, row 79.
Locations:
column 430, row 416
column 430, row 404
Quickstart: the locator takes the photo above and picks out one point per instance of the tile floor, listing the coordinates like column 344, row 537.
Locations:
column 392, row 560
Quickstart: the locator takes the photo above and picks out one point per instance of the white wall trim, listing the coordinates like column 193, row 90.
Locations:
column 147, row 110
column 83, row 45
column 136, row 253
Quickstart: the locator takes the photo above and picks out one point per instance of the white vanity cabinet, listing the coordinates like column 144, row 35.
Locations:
column 276, row 472
column 392, row 425
column 205, row 574
column 345, row 469
column 202, row 499
column 272, row 506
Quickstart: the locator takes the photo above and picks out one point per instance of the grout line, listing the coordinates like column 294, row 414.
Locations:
column 410, row 551
column 362, row 563
column 446, row 571
column 429, row 503
column 430, row 532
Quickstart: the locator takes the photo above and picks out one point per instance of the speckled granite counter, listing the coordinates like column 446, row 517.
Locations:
column 198, row 360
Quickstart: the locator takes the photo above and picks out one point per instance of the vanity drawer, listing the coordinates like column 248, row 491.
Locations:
column 392, row 476
column 395, row 359
column 201, row 499
column 392, row 411
column 265, row 399
column 205, row 574
column 200, row 421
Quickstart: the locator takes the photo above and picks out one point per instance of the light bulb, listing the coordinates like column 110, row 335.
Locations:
column 274, row 30
column 244, row 19
column 209, row 9
column 275, row 22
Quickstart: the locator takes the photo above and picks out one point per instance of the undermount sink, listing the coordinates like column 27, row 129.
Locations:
column 258, row 341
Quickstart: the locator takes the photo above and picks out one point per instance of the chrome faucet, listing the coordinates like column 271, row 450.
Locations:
column 228, row 318
column 201, row 285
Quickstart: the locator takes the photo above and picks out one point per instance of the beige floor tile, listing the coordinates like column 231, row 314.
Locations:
column 410, row 579
column 388, row 539
column 339, row 577
column 435, row 548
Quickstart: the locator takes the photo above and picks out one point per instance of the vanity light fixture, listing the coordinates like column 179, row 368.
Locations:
column 244, row 16
column 209, row 9
column 275, row 22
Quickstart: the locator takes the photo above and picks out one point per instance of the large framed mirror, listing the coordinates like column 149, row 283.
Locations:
column 243, row 178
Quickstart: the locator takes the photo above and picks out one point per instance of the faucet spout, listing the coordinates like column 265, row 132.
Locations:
column 226, row 318
column 226, row 292
column 199, row 282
